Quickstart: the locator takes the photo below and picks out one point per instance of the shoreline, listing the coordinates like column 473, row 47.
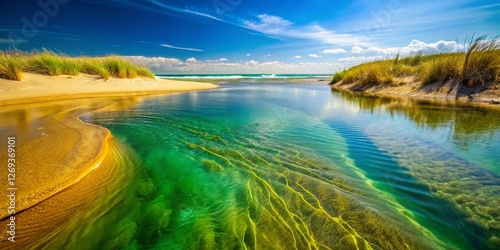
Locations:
column 450, row 91
column 88, row 198
column 53, row 152
column 55, row 148
column 34, row 88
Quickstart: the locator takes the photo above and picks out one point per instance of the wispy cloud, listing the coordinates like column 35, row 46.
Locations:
column 180, row 48
column 268, row 24
column 156, row 6
column 10, row 41
column 297, row 57
column 44, row 32
column 314, row 55
column 191, row 12
column 275, row 26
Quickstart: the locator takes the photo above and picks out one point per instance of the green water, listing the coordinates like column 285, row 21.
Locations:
column 290, row 166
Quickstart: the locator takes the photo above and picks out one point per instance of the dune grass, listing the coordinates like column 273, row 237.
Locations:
column 13, row 63
column 370, row 74
column 10, row 66
column 479, row 65
column 440, row 68
column 482, row 63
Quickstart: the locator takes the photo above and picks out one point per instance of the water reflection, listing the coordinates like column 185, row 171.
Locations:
column 466, row 123
column 460, row 167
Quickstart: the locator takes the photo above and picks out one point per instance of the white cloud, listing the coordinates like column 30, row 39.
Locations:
column 192, row 65
column 415, row 46
column 357, row 49
column 222, row 59
column 249, row 54
column 297, row 57
column 334, row 51
column 359, row 59
column 268, row 55
column 157, row 63
column 191, row 60
column 252, row 64
column 180, row 48
column 314, row 55
column 276, row 26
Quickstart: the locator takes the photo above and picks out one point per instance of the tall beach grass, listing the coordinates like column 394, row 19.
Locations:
column 13, row 63
column 10, row 65
column 479, row 65
column 370, row 74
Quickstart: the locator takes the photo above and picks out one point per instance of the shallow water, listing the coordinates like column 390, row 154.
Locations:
column 293, row 166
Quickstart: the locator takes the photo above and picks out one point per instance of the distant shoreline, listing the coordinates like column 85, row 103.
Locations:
column 234, row 78
column 487, row 97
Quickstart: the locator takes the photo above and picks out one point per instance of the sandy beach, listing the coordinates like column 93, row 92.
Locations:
column 54, row 148
column 39, row 88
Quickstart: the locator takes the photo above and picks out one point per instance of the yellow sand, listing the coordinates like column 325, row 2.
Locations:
column 54, row 148
column 87, row 199
column 37, row 88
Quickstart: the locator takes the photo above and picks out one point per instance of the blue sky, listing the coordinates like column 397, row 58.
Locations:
column 245, row 36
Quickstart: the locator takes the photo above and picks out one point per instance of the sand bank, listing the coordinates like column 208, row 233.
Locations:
column 489, row 97
column 39, row 88
column 54, row 148
column 77, row 207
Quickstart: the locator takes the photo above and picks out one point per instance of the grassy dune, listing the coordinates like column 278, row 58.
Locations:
column 478, row 66
column 14, row 63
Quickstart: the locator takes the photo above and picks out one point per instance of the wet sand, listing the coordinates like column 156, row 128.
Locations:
column 55, row 150
column 86, row 200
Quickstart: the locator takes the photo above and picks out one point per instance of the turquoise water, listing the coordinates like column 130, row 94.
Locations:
column 293, row 166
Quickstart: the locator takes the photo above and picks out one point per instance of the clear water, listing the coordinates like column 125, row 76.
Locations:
column 293, row 166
